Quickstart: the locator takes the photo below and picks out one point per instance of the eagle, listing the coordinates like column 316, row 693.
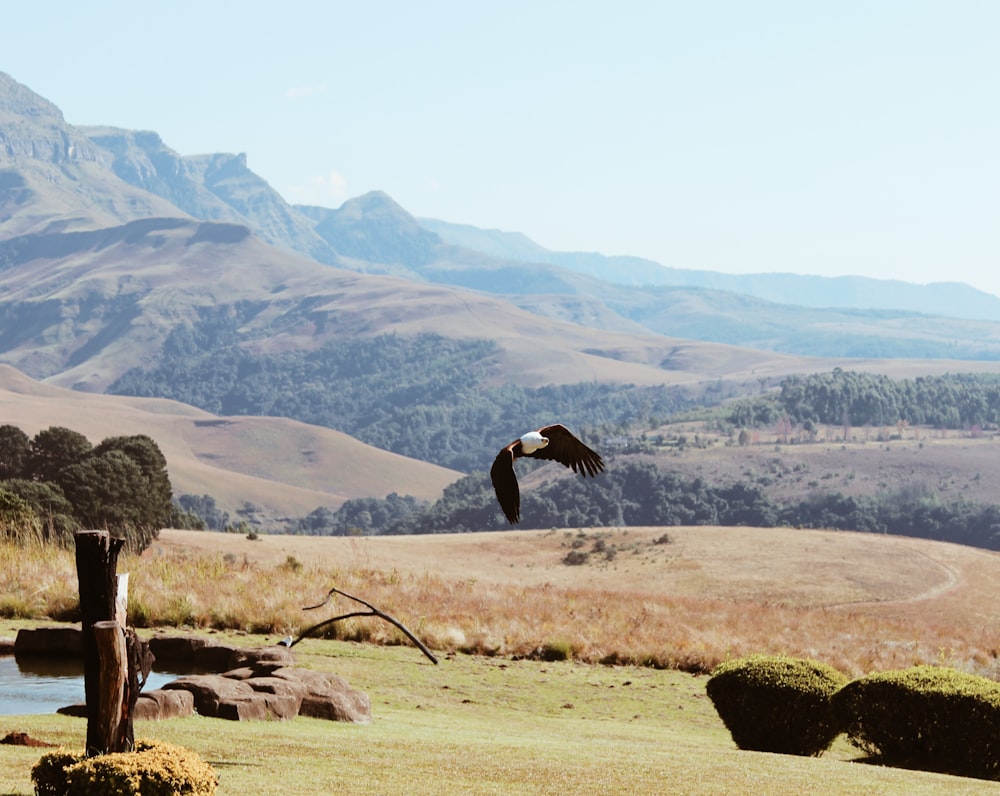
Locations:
column 554, row 442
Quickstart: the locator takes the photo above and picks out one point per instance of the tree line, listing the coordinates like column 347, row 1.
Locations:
column 852, row 398
column 633, row 492
column 57, row 482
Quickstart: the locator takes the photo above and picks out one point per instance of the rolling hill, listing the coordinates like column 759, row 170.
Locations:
column 280, row 467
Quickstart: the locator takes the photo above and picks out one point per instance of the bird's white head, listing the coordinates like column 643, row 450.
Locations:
column 533, row 441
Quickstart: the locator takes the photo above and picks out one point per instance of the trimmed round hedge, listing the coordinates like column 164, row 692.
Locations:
column 931, row 718
column 777, row 704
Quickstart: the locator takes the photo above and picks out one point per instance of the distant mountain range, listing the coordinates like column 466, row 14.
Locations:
column 58, row 181
column 97, row 270
column 118, row 254
column 953, row 299
column 56, row 178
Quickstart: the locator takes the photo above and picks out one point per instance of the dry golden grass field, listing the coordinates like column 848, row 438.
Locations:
column 681, row 597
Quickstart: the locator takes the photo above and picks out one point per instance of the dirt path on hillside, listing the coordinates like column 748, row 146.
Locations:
column 951, row 579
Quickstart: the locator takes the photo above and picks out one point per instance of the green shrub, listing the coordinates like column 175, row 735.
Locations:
column 926, row 717
column 777, row 704
column 49, row 773
column 153, row 769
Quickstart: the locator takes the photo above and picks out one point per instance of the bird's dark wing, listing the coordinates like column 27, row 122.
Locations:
column 566, row 449
column 505, row 484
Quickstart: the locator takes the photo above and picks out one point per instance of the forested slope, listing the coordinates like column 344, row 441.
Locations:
column 426, row 396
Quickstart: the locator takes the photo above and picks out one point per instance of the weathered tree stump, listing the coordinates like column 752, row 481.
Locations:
column 113, row 656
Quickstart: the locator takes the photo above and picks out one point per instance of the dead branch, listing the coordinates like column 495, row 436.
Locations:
column 372, row 611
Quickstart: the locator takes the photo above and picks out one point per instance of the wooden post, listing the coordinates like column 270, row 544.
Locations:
column 96, row 562
column 110, row 638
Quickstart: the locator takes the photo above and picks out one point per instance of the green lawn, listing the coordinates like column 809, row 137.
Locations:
column 476, row 725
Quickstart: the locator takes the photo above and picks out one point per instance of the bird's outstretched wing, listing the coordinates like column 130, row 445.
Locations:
column 566, row 449
column 505, row 484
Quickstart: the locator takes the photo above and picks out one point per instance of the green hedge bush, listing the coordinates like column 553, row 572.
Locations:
column 777, row 704
column 153, row 769
column 926, row 717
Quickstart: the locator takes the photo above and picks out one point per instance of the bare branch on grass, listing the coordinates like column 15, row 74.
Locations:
column 372, row 611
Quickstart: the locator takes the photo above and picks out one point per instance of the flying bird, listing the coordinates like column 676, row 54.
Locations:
column 554, row 442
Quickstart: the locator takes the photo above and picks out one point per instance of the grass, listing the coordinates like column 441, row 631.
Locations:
column 495, row 717
column 489, row 726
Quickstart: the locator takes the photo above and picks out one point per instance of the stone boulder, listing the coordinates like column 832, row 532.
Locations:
column 255, row 684
column 328, row 696
column 266, row 658
column 210, row 690
column 228, row 698
column 77, row 710
column 201, row 654
column 261, row 691
column 163, row 704
column 150, row 706
column 49, row 642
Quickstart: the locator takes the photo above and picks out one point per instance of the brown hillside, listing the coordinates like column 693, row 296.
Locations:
column 104, row 301
column 283, row 467
column 920, row 462
column 86, row 306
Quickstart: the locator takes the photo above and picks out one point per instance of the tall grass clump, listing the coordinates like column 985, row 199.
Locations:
column 19, row 523
column 37, row 581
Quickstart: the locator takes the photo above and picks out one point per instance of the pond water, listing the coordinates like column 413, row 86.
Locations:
column 42, row 685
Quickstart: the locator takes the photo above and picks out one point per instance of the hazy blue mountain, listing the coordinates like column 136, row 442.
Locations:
column 376, row 233
column 951, row 299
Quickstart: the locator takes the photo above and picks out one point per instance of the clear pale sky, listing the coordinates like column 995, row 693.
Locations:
column 820, row 138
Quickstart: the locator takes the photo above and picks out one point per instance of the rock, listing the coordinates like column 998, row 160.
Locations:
column 77, row 710
column 227, row 698
column 259, row 707
column 164, row 704
column 210, row 690
column 243, row 673
column 269, row 658
column 244, row 709
column 329, row 696
column 256, row 684
column 278, row 685
column 215, row 658
column 177, row 649
column 206, row 655
column 49, row 641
